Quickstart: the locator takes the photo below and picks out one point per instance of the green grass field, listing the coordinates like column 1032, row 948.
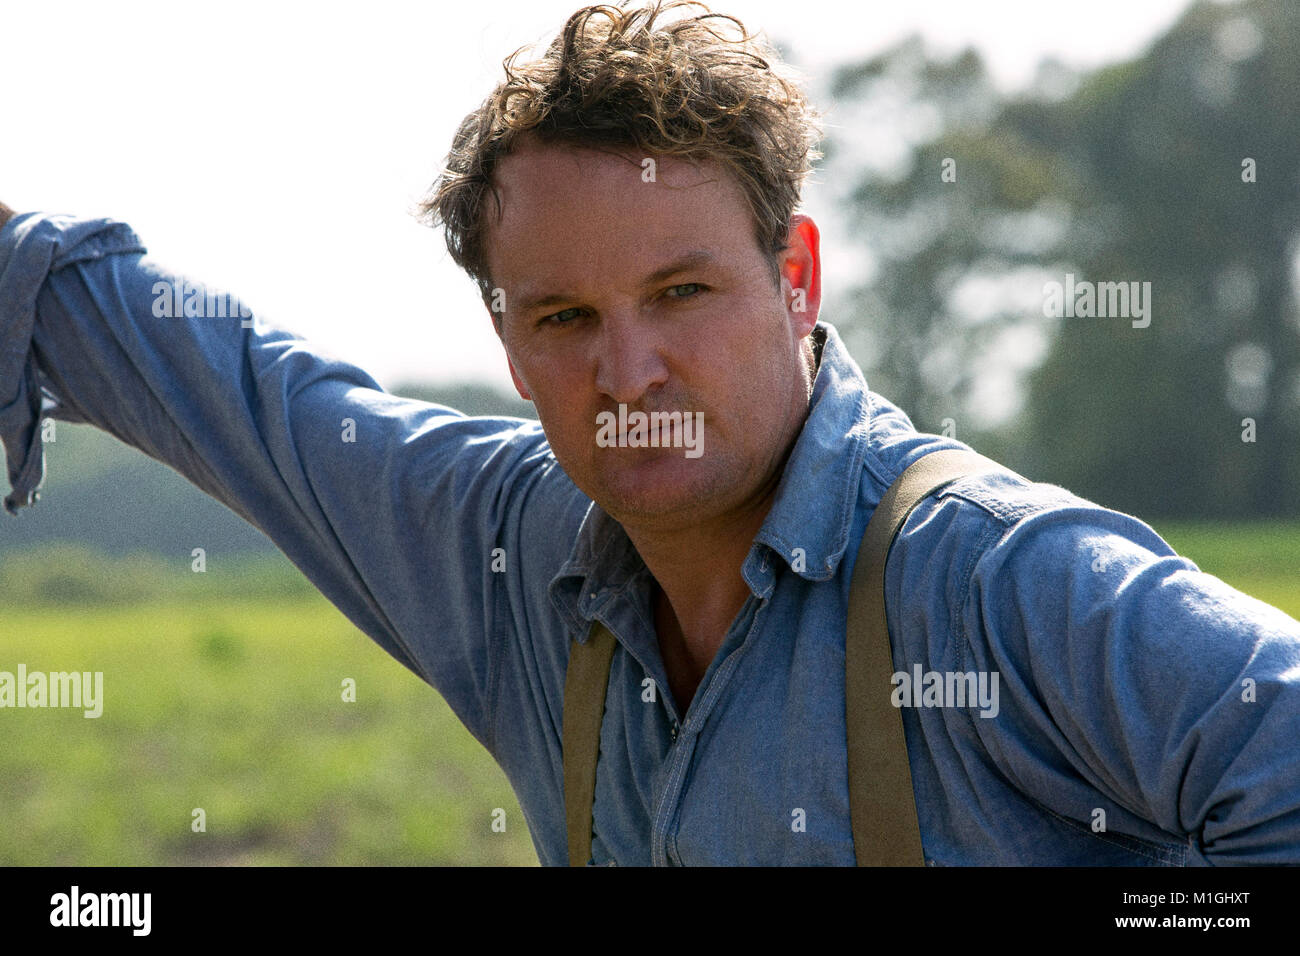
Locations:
column 234, row 705
column 240, row 712
column 1262, row 559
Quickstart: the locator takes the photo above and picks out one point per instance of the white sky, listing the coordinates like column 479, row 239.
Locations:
column 276, row 149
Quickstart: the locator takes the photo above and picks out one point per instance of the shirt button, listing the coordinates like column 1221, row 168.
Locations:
column 673, row 731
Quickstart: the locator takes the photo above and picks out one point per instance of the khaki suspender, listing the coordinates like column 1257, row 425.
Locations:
column 882, row 806
column 585, row 684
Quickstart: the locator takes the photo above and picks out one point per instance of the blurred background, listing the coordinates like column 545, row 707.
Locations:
column 279, row 150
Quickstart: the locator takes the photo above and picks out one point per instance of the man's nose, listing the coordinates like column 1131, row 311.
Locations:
column 629, row 358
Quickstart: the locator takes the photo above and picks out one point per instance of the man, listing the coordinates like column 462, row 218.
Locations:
column 626, row 205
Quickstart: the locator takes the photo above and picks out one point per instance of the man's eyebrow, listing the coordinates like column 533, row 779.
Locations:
column 695, row 259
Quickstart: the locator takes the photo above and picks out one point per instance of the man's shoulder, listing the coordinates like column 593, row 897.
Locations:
column 988, row 516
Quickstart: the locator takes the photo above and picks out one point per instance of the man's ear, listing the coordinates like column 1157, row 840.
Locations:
column 801, row 274
column 519, row 382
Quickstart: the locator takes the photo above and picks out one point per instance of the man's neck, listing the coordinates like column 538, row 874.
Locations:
column 698, row 569
column 698, row 590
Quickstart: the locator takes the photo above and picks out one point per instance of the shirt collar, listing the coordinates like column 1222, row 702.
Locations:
column 813, row 509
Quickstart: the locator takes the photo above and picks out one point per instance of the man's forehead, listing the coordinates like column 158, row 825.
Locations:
column 564, row 204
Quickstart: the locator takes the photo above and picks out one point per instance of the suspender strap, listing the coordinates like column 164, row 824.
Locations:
column 882, row 806
column 585, row 684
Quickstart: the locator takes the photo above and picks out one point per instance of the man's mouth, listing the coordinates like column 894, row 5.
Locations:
column 656, row 429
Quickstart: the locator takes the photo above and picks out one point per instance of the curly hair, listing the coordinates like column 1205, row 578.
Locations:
column 697, row 88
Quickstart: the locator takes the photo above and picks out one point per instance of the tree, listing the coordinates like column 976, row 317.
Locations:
column 1133, row 173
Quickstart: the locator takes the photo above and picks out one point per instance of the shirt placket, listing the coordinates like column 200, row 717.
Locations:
column 663, row 843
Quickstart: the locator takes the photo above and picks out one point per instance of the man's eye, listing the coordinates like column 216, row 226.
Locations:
column 563, row 317
column 675, row 291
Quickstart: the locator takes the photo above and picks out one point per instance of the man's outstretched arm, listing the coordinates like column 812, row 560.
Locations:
column 391, row 507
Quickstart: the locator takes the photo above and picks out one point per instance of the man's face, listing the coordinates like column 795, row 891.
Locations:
column 654, row 295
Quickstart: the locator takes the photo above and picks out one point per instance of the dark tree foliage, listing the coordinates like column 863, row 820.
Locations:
column 1136, row 172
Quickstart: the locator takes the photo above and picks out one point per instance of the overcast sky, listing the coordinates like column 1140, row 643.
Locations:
column 277, row 149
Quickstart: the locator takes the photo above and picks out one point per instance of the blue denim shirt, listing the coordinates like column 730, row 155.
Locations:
column 1147, row 713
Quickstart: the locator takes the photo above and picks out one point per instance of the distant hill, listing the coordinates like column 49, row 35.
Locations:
column 103, row 495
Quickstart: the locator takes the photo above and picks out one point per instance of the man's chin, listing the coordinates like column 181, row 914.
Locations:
column 666, row 485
